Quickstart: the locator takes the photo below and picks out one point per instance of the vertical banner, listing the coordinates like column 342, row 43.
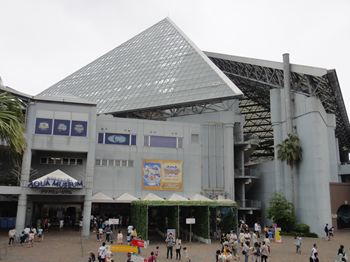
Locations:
column 162, row 175
column 278, row 237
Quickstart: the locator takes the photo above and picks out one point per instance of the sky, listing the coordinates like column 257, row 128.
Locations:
column 42, row 42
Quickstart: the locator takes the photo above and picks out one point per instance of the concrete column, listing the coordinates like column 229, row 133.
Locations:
column 287, row 101
column 25, row 171
column 90, row 170
column 229, row 181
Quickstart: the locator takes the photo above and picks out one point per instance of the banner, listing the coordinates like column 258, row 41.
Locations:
column 123, row 249
column 138, row 243
column 278, row 237
column 162, row 175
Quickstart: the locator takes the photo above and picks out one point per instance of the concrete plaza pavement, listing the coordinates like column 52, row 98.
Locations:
column 67, row 246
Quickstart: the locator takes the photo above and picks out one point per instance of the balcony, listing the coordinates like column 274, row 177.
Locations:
column 247, row 204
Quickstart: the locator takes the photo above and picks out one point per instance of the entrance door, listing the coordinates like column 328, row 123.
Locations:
column 343, row 216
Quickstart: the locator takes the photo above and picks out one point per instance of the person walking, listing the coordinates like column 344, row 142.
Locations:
column 314, row 254
column 326, row 231
column 264, row 252
column 169, row 245
column 152, row 258
column 245, row 251
column 102, row 252
column 341, row 256
column 120, row 238
column 178, row 248
column 12, row 235
column 187, row 255
column 297, row 242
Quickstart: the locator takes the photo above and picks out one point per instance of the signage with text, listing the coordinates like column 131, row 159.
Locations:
column 190, row 221
column 123, row 249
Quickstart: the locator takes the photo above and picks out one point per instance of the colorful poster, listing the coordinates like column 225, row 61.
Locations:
column 162, row 175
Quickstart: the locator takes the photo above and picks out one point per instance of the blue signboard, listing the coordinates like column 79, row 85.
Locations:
column 61, row 127
column 79, row 128
column 117, row 139
column 43, row 126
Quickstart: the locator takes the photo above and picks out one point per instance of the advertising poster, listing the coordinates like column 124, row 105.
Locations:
column 162, row 175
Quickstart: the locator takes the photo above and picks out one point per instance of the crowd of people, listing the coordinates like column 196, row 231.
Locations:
column 27, row 236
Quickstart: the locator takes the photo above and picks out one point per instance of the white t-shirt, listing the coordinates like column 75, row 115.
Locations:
column 102, row 251
column 27, row 230
column 313, row 253
column 256, row 227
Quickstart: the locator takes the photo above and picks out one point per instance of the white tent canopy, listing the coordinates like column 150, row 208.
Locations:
column 56, row 179
column 101, row 198
column 177, row 197
column 152, row 197
column 199, row 197
column 57, row 174
column 126, row 198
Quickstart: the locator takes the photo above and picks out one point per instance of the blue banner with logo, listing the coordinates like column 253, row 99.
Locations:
column 79, row 128
column 43, row 126
column 117, row 139
column 61, row 127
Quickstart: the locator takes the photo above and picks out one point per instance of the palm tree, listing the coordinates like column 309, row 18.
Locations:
column 290, row 150
column 12, row 122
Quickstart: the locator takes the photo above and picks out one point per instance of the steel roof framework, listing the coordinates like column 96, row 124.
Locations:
column 255, row 81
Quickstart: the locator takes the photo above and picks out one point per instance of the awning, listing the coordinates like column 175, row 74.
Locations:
column 224, row 200
column 177, row 197
column 152, row 197
column 101, row 198
column 199, row 197
column 56, row 179
column 125, row 198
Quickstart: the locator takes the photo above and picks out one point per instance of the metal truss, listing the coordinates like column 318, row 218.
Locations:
column 180, row 110
column 256, row 81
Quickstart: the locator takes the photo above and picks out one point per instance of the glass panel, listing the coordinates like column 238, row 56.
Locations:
column 43, row 160
column 65, row 161
column 104, row 162
column 133, row 140
column 117, row 163
column 79, row 161
column 146, row 140
column 130, row 163
column 98, row 162
column 163, row 141
column 179, row 142
column 100, row 138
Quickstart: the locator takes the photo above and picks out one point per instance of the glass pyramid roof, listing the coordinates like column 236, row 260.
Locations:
column 159, row 67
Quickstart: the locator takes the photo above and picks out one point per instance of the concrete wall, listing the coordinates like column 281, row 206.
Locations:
column 307, row 185
column 114, row 181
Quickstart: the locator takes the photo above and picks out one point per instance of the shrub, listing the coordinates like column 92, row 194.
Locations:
column 302, row 228
column 281, row 212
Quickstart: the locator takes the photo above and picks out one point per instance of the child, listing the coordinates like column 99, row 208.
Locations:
column 297, row 242
column 186, row 255
column 178, row 248
column 92, row 257
column 156, row 253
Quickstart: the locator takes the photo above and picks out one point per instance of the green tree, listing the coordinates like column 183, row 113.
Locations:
column 12, row 122
column 281, row 212
column 290, row 150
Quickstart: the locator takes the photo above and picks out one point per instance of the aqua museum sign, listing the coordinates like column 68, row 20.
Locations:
column 55, row 183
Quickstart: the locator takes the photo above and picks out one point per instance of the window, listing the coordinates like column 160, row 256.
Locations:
column 65, row 161
column 130, row 163
column 117, row 163
column 104, row 162
column 98, row 162
column 110, row 162
column 163, row 141
column 51, row 161
column 194, row 138
column 43, row 160
column 72, row 161
column 146, row 140
column 179, row 142
column 79, row 161
column 124, row 163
